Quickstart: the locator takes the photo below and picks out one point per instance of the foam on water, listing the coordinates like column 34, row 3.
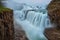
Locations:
column 33, row 22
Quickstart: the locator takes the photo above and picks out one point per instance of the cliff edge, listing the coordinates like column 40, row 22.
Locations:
column 6, row 24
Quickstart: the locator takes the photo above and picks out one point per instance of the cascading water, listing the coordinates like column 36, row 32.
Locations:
column 33, row 18
column 33, row 22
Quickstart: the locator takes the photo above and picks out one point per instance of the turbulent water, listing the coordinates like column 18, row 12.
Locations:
column 33, row 21
column 32, row 16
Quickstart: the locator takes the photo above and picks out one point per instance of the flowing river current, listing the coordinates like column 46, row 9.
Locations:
column 32, row 15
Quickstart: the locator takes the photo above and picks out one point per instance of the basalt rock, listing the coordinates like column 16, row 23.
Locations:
column 6, row 24
column 54, row 14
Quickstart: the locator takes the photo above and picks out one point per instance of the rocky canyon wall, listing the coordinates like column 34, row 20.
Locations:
column 6, row 24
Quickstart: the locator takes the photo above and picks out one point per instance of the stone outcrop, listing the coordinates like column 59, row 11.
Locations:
column 54, row 14
column 54, row 11
column 6, row 24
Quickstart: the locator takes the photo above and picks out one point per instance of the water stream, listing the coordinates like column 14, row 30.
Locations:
column 32, row 15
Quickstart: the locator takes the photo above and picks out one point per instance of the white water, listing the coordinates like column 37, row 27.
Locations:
column 32, row 16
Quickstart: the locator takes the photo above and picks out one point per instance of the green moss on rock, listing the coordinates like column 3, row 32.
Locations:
column 6, row 24
column 4, row 9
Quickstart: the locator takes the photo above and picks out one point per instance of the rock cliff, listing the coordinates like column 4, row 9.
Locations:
column 6, row 24
column 54, row 14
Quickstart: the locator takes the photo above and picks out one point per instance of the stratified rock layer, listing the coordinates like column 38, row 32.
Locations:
column 54, row 14
column 6, row 24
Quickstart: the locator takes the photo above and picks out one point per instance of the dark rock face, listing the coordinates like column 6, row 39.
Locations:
column 52, row 34
column 54, row 14
column 54, row 11
column 6, row 25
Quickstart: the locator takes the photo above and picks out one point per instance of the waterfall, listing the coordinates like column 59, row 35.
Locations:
column 33, row 21
column 32, row 16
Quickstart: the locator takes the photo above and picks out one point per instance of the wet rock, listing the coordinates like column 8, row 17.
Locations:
column 20, row 35
column 6, row 24
column 54, row 14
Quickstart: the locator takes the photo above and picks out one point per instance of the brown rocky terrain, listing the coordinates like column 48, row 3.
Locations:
column 6, row 24
column 8, row 29
column 54, row 14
